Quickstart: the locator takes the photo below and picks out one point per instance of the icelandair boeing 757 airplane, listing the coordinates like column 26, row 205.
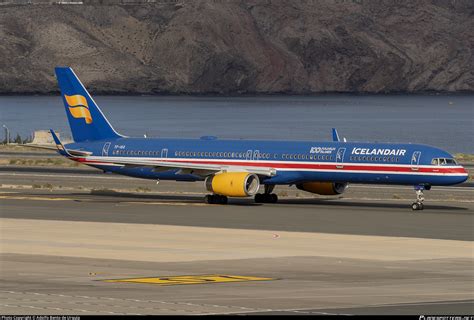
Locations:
column 237, row 168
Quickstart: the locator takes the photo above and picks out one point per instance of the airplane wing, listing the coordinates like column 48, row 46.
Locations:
column 201, row 169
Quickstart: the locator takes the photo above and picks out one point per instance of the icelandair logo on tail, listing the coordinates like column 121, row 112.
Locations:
column 78, row 107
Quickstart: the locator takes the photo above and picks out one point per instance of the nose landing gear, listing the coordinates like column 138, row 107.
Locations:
column 418, row 205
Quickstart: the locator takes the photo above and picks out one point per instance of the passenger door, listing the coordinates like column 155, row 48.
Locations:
column 340, row 157
column 164, row 153
column 248, row 155
column 415, row 160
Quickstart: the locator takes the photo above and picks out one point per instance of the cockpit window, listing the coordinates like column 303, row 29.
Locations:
column 451, row 162
column 443, row 162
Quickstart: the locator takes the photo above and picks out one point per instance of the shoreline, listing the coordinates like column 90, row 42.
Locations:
column 250, row 94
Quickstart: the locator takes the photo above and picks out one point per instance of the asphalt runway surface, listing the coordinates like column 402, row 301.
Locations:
column 64, row 233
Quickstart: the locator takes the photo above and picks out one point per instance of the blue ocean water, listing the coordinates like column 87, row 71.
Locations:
column 446, row 121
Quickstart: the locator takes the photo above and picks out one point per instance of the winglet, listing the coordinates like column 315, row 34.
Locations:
column 61, row 149
column 335, row 135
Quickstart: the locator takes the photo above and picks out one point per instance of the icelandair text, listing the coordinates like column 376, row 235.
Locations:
column 379, row 152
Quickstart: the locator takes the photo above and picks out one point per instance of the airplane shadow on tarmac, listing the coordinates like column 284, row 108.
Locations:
column 379, row 204
column 431, row 208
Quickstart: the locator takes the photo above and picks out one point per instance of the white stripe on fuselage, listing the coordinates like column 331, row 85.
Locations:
column 275, row 163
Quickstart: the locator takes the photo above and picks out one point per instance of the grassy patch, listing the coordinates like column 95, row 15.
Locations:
column 103, row 191
column 22, row 148
column 464, row 157
column 42, row 186
column 46, row 162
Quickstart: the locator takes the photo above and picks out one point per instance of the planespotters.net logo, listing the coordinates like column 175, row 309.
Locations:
column 41, row 317
column 423, row 317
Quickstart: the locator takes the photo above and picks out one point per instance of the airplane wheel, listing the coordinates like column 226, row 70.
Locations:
column 222, row 200
column 209, row 199
column 266, row 198
column 215, row 199
column 417, row 206
column 273, row 198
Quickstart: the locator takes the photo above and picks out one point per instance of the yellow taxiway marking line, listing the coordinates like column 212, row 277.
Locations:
column 197, row 279
column 35, row 198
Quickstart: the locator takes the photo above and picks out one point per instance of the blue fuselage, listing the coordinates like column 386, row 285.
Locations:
column 293, row 161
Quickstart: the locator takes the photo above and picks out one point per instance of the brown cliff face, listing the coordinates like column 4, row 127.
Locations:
column 242, row 46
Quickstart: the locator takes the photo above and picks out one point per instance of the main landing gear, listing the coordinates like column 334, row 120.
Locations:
column 215, row 199
column 418, row 205
column 267, row 196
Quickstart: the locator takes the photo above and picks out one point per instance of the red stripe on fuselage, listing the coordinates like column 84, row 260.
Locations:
column 316, row 166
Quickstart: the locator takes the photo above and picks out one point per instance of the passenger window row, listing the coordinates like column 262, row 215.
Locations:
column 374, row 159
column 232, row 155
column 135, row 153
column 243, row 155
column 306, row 157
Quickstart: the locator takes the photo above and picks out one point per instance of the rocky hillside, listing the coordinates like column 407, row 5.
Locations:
column 266, row 46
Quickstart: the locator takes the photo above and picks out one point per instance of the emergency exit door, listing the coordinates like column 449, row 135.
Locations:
column 415, row 160
column 340, row 157
column 105, row 149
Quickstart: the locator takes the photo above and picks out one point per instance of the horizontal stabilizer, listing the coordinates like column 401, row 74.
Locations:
column 67, row 152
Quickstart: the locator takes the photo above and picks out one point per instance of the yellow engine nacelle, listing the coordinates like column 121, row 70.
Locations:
column 323, row 188
column 233, row 184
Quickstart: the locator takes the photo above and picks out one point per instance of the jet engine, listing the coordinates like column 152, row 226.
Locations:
column 233, row 184
column 323, row 188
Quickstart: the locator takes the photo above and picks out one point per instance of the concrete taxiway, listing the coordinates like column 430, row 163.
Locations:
column 63, row 233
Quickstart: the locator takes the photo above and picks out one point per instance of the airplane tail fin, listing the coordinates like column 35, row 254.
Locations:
column 86, row 120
